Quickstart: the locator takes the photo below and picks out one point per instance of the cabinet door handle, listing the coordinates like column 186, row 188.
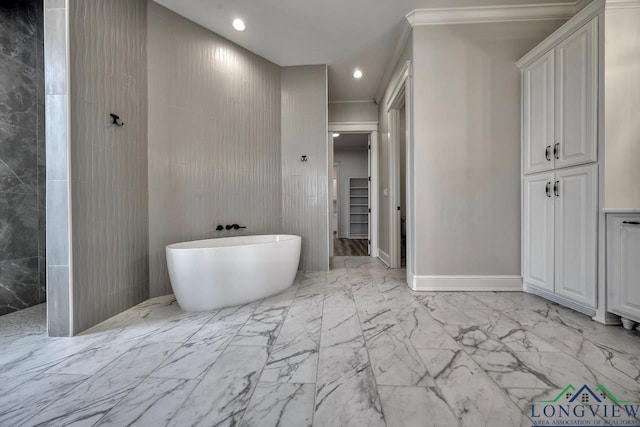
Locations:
column 556, row 150
column 556, row 189
column 547, row 188
column 631, row 222
column 547, row 152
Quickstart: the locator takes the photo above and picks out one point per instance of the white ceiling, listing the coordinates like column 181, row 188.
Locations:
column 344, row 34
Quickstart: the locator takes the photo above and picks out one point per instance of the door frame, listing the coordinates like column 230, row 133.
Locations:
column 401, row 97
column 370, row 128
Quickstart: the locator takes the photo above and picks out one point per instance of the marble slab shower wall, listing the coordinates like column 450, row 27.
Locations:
column 22, row 157
column 109, row 192
column 305, row 184
column 214, row 138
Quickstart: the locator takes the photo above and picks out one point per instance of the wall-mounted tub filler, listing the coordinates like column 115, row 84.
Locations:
column 216, row 273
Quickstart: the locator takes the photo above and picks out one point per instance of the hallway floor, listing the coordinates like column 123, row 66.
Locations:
column 350, row 247
column 350, row 347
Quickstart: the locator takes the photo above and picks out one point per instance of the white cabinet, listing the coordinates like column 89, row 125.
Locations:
column 576, row 208
column 559, row 165
column 623, row 265
column 538, row 217
column 560, row 233
column 560, row 108
column 538, row 108
column 576, row 92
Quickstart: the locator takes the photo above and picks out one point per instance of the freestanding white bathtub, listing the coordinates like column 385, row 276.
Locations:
column 215, row 273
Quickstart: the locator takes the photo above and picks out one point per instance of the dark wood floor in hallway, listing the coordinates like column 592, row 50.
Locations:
column 350, row 247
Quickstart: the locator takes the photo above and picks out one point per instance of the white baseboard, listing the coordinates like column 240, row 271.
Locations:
column 465, row 283
column 384, row 257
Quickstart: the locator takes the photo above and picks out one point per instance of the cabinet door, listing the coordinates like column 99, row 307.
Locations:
column 538, row 231
column 576, row 91
column 623, row 258
column 576, row 209
column 538, row 115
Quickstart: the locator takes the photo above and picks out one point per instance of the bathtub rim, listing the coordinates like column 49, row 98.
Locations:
column 189, row 245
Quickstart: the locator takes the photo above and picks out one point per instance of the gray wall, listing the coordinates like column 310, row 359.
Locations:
column 384, row 154
column 22, row 157
column 108, row 74
column 305, row 185
column 214, row 138
column 352, row 153
column 467, row 145
column 622, row 108
column 365, row 111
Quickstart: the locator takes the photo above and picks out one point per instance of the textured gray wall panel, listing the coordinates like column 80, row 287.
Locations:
column 108, row 74
column 214, row 138
column 305, row 184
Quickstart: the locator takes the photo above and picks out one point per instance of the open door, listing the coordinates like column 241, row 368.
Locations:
column 369, row 234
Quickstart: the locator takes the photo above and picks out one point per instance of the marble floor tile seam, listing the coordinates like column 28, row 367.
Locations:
column 433, row 387
column 150, row 374
column 244, row 410
column 489, row 377
column 578, row 335
column 44, row 368
column 474, row 357
column 504, row 389
column 222, row 349
column 375, row 380
column 71, row 390
column 315, row 385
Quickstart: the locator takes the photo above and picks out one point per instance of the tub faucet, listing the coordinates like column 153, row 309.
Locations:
column 219, row 228
column 234, row 226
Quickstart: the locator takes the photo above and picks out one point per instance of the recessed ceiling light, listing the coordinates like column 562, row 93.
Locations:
column 335, row 135
column 238, row 24
column 357, row 74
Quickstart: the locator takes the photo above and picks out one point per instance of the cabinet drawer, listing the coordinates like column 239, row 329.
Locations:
column 623, row 265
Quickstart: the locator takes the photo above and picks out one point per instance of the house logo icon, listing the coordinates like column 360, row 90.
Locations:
column 585, row 405
column 584, row 395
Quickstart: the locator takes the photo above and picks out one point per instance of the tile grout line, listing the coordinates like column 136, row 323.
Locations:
column 270, row 347
column 366, row 349
column 315, row 383
column 213, row 364
column 145, row 378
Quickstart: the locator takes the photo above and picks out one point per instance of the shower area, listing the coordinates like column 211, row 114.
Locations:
column 22, row 156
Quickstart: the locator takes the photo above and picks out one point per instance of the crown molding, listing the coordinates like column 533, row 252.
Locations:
column 622, row 4
column 405, row 32
column 486, row 14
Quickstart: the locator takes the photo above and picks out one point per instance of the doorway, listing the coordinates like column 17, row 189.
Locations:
column 400, row 201
column 351, row 197
column 370, row 130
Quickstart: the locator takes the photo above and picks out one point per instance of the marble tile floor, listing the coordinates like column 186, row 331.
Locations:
column 351, row 347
